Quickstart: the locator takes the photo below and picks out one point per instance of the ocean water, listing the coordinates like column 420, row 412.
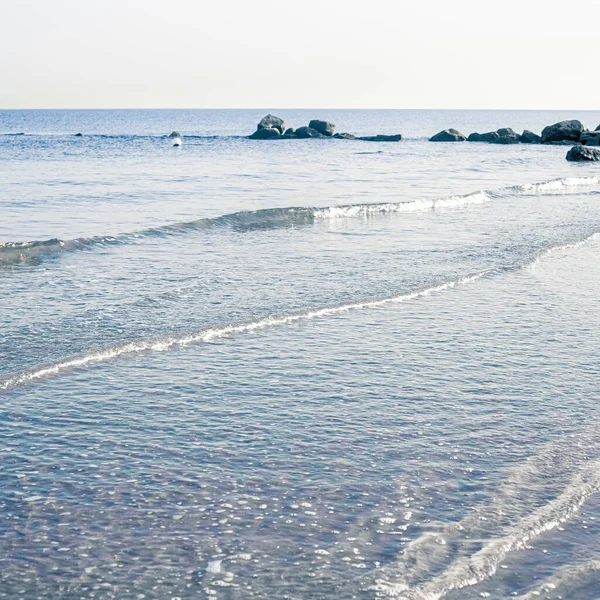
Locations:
column 303, row 369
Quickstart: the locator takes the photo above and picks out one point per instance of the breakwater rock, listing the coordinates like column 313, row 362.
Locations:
column 564, row 131
column 274, row 128
column 448, row 135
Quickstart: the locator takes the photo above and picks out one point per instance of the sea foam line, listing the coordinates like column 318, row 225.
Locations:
column 208, row 335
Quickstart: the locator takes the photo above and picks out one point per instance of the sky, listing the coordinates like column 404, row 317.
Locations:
column 519, row 54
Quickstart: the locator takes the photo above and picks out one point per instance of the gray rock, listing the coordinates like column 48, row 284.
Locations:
column 272, row 122
column 344, row 136
column 490, row 136
column 267, row 133
column 290, row 134
column 506, row 132
column 382, row 138
column 506, row 136
column 590, row 138
column 307, row 132
column 289, row 131
column 323, row 127
column 563, row 131
column 528, row 137
column 448, row 135
column 79, row 135
column 597, row 128
column 174, row 134
column 583, row 153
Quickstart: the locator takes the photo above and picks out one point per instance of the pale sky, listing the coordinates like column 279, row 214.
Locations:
column 532, row 54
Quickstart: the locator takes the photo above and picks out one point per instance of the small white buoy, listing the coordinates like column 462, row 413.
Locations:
column 177, row 142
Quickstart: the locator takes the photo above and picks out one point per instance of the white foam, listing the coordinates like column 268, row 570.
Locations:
column 366, row 210
column 557, row 184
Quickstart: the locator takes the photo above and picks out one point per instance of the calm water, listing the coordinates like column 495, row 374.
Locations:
column 304, row 369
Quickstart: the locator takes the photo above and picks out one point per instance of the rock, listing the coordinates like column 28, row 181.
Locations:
column 79, row 135
column 381, row 138
column 583, row 153
column 289, row 131
column 563, row 131
column 590, row 138
column 272, row 122
column 344, row 136
column 597, row 128
column 506, row 136
column 448, row 135
column 267, row 133
column 307, row 132
column 174, row 134
column 490, row 136
column 323, row 127
column 528, row 137
column 290, row 134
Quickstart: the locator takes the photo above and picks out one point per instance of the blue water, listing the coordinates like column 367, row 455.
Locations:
column 301, row 369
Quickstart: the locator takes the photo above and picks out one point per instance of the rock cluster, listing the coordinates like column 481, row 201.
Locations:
column 273, row 128
column 564, row 132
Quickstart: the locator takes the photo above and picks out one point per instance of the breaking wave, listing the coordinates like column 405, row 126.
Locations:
column 12, row 253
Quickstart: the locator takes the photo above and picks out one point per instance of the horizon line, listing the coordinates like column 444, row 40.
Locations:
column 299, row 108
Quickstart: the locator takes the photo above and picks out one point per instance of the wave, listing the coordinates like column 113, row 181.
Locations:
column 555, row 185
column 575, row 578
column 470, row 570
column 242, row 221
column 212, row 333
column 536, row 496
column 207, row 335
column 12, row 253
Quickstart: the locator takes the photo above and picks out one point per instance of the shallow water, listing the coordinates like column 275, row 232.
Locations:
column 388, row 391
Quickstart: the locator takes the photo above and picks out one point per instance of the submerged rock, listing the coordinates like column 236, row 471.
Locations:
column 174, row 134
column 344, row 136
column 590, row 138
column 583, row 153
column 307, row 132
column 528, row 137
column 448, row 135
column 266, row 133
column 271, row 122
column 323, row 127
column 563, row 131
column 381, row 138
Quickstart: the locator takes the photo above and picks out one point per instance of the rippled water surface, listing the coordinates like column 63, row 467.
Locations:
column 302, row 369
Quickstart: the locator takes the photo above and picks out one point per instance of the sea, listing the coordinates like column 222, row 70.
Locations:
column 297, row 369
